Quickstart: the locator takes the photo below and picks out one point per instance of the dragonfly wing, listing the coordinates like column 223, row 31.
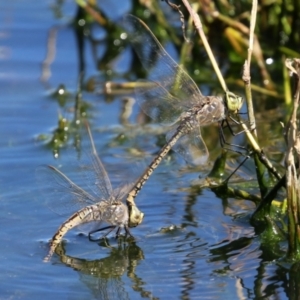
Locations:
column 101, row 179
column 122, row 191
column 158, row 103
column 161, row 67
column 191, row 147
column 61, row 194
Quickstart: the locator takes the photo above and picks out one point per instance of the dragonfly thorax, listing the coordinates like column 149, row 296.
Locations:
column 114, row 212
column 210, row 110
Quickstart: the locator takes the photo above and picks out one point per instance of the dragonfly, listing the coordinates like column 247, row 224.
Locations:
column 170, row 96
column 102, row 204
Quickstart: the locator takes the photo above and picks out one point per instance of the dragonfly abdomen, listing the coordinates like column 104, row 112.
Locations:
column 80, row 217
column 154, row 164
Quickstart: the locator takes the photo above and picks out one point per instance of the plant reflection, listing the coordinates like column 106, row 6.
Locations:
column 104, row 276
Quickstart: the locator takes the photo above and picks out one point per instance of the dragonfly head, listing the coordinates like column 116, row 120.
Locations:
column 233, row 102
column 135, row 215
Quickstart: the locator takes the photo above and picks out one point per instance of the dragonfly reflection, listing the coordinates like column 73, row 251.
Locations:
column 108, row 277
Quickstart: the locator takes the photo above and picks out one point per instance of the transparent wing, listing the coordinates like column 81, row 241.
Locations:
column 158, row 103
column 122, row 191
column 191, row 147
column 95, row 177
column 161, row 67
column 60, row 193
column 101, row 179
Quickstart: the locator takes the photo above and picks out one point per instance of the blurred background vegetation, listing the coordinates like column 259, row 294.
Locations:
column 226, row 25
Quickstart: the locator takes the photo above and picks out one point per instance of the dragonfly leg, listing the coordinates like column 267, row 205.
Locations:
column 112, row 227
column 224, row 143
column 118, row 232
column 128, row 231
column 246, row 152
column 251, row 125
column 244, row 160
column 262, row 157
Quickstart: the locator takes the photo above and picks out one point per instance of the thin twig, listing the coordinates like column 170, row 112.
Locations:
column 262, row 157
column 92, row 11
column 246, row 73
column 292, row 156
column 177, row 8
column 199, row 28
column 264, row 207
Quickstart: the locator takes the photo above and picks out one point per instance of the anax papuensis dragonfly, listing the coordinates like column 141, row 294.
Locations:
column 172, row 97
column 102, row 204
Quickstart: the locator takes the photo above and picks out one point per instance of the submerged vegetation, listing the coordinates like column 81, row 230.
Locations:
column 255, row 47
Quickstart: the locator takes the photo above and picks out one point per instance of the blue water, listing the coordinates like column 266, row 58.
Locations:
column 191, row 244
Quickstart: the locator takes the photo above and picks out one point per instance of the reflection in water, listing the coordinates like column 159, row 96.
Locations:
column 104, row 276
column 232, row 253
column 239, row 254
